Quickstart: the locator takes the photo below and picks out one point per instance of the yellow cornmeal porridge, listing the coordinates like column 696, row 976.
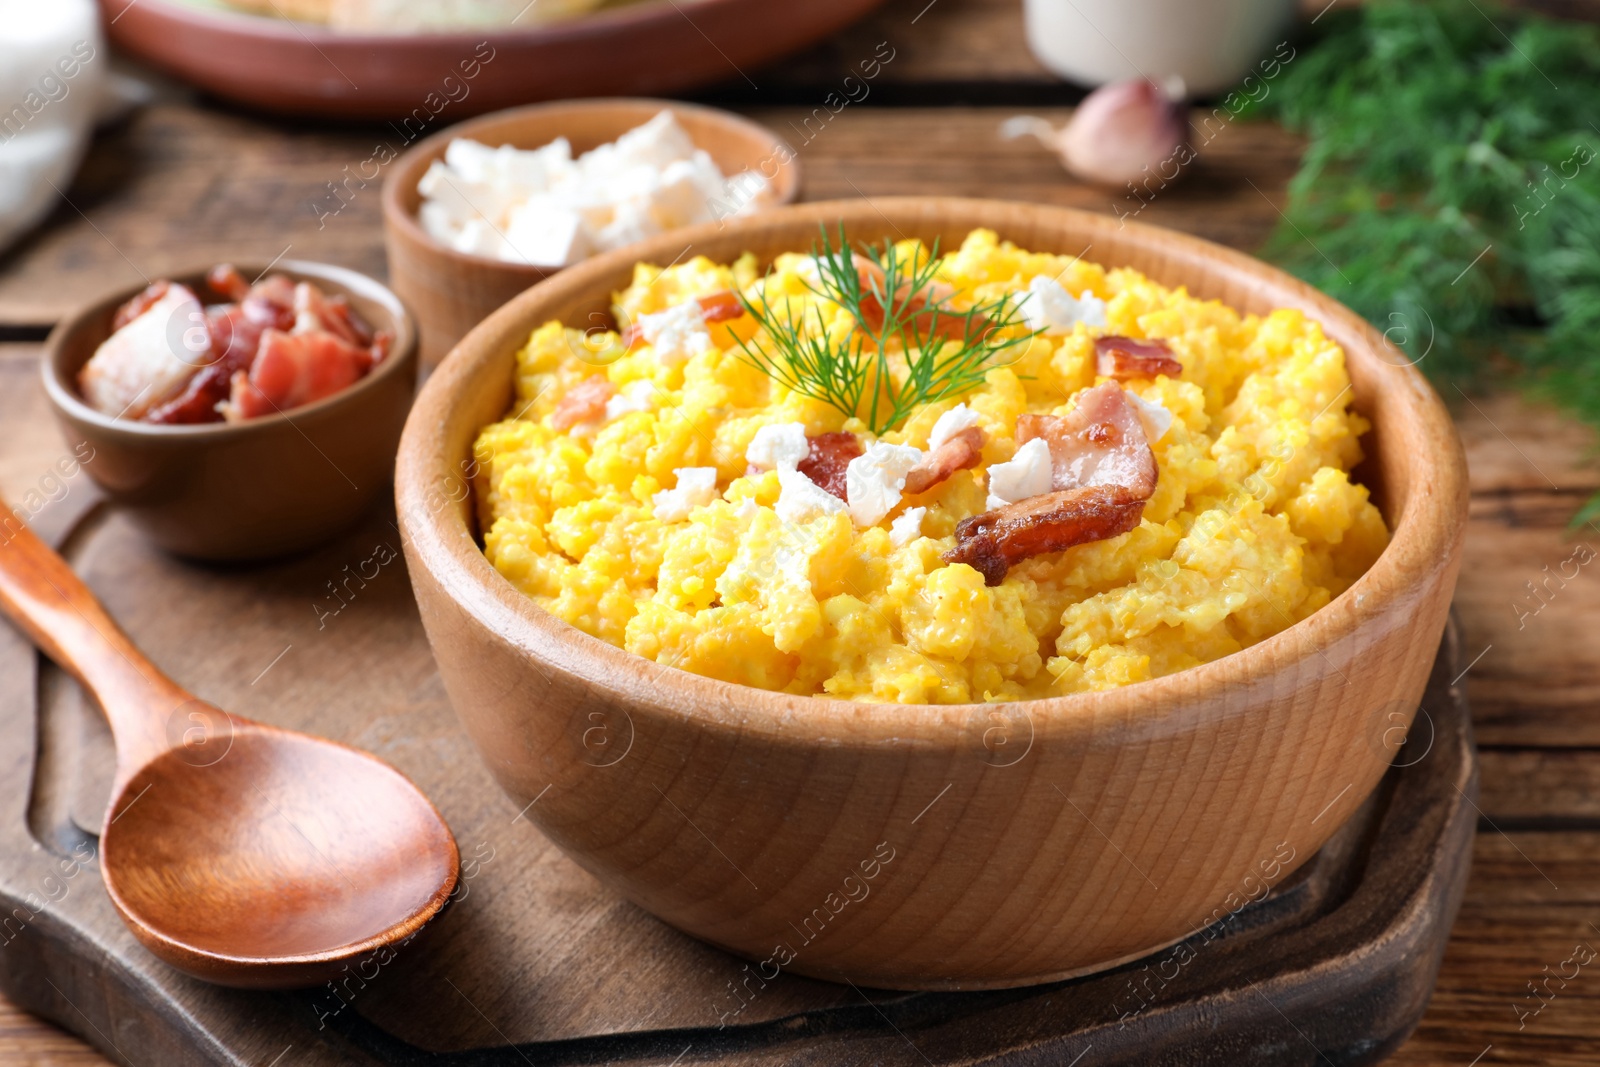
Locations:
column 1254, row 523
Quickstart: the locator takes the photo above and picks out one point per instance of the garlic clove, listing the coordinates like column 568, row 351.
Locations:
column 1120, row 133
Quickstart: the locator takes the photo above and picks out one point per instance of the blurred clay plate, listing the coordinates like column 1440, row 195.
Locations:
column 651, row 48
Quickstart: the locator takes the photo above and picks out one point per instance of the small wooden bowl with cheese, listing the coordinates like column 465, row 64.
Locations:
column 451, row 291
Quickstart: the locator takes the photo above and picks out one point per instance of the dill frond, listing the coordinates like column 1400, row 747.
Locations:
column 900, row 310
column 1450, row 190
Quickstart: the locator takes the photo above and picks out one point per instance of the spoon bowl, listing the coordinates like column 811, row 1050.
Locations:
column 185, row 847
column 239, row 853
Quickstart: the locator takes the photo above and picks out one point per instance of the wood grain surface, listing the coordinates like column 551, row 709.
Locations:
column 186, row 180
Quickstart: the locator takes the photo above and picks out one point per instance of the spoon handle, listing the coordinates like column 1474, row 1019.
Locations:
column 42, row 595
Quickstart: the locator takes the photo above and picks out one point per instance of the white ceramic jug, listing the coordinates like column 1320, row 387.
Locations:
column 53, row 69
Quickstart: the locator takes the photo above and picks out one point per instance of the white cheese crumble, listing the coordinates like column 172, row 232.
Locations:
column 1025, row 474
column 1156, row 418
column 951, row 423
column 545, row 208
column 1049, row 307
column 697, row 487
column 874, row 479
column 808, row 270
column 906, row 528
column 677, row 333
column 746, row 511
column 800, row 499
column 778, row 447
column 635, row 396
column 543, row 233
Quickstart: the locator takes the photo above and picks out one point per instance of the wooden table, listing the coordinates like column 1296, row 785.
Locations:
column 189, row 182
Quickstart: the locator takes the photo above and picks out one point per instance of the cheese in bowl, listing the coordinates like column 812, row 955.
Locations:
column 901, row 475
column 543, row 208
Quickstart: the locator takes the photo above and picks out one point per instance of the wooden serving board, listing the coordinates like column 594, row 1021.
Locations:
column 534, row 962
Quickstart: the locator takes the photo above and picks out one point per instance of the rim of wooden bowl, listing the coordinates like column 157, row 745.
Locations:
column 399, row 187
column 61, row 387
column 1426, row 528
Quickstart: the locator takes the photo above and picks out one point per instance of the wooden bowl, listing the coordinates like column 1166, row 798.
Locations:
column 254, row 489
column 939, row 847
column 450, row 291
column 422, row 79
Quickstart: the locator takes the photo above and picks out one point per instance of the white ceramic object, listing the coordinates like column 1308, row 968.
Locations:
column 1210, row 44
column 53, row 69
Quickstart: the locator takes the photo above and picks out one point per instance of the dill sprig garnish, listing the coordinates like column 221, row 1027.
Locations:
column 1450, row 191
column 900, row 309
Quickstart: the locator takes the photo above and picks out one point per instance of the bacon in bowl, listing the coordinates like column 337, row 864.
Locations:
column 267, row 347
column 168, row 371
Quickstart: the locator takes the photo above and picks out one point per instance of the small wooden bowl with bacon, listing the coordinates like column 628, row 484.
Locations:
column 1112, row 823
column 222, row 417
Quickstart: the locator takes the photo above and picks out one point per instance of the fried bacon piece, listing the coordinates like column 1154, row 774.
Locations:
column 723, row 306
column 148, row 360
column 1099, row 442
column 585, row 402
column 1102, row 472
column 198, row 402
column 226, row 281
column 1125, row 358
column 294, row 369
column 236, row 331
column 313, row 311
column 831, row 454
column 140, row 304
column 997, row 540
column 920, row 322
column 962, row 451
column 276, row 288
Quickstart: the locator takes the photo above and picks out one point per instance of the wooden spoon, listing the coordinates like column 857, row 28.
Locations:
column 237, row 852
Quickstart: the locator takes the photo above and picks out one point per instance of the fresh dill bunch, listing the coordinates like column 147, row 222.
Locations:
column 1450, row 190
column 895, row 304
